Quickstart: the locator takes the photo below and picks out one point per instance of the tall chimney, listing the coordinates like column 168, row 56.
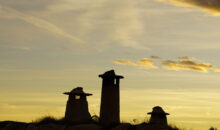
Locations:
column 110, row 98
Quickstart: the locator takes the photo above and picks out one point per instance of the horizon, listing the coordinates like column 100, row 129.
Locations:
column 167, row 51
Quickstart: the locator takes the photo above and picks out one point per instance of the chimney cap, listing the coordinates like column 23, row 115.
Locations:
column 158, row 111
column 110, row 73
column 77, row 91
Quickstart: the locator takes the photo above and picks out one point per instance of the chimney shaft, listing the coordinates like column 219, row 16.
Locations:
column 110, row 98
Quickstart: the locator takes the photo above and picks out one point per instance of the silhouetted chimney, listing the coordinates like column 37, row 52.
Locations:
column 77, row 106
column 110, row 98
column 158, row 116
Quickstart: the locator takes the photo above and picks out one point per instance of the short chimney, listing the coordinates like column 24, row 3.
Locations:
column 158, row 116
column 77, row 106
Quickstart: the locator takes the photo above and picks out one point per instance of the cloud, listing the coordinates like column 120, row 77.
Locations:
column 213, row 6
column 185, row 58
column 182, row 63
column 38, row 22
column 125, row 62
column 113, row 22
column 145, row 62
column 186, row 63
column 155, row 57
column 217, row 69
column 105, row 24
column 110, row 22
column 23, row 48
column 123, row 19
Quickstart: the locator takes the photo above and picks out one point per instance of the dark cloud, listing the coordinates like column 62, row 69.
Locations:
column 155, row 57
column 212, row 6
column 185, row 58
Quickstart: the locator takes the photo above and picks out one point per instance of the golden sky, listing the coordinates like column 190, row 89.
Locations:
column 167, row 50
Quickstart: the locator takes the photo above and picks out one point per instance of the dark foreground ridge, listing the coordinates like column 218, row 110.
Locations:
column 60, row 125
column 77, row 116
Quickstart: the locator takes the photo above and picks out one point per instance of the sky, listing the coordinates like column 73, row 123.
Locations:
column 167, row 50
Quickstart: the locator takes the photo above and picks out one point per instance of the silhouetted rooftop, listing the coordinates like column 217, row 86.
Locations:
column 110, row 73
column 77, row 91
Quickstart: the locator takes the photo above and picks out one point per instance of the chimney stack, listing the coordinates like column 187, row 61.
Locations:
column 77, row 106
column 110, row 98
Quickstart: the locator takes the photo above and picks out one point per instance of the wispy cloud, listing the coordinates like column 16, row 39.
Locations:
column 186, row 63
column 38, row 22
column 103, row 23
column 212, row 6
column 125, row 62
column 145, row 62
column 113, row 22
column 155, row 57
column 217, row 69
column 182, row 63
column 23, row 48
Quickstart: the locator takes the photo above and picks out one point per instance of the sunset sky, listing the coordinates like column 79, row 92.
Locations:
column 167, row 50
